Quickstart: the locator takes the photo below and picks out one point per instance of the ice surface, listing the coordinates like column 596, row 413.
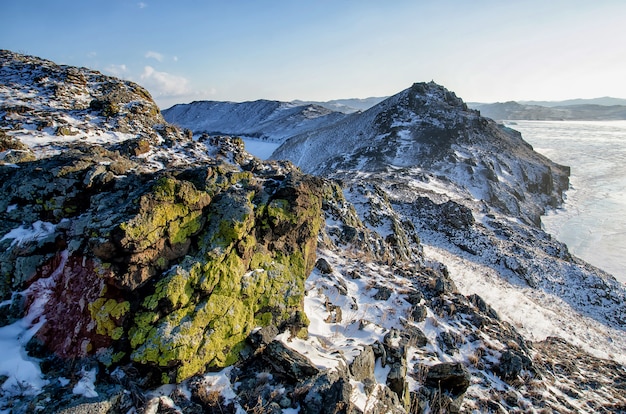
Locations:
column 260, row 149
column 592, row 221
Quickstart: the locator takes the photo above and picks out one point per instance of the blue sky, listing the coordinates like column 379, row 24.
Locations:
column 240, row 50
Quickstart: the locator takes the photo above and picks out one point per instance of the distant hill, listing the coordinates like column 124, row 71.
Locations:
column 583, row 110
column 267, row 120
column 605, row 101
column 346, row 106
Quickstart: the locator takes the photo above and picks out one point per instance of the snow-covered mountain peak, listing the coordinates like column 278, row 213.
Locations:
column 428, row 127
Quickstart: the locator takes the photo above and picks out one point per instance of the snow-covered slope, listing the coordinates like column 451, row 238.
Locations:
column 347, row 106
column 47, row 107
column 266, row 120
column 473, row 192
column 428, row 127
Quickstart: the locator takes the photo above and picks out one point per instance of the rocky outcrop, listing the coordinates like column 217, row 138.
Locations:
column 168, row 270
column 46, row 104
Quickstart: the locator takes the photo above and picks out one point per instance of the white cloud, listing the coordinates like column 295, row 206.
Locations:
column 142, row 5
column 154, row 55
column 117, row 70
column 163, row 83
column 175, row 58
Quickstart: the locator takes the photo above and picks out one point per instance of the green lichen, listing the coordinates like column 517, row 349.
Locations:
column 106, row 313
column 180, row 230
column 211, row 333
column 225, row 176
column 107, row 357
column 175, row 289
column 278, row 211
column 173, row 210
column 244, row 274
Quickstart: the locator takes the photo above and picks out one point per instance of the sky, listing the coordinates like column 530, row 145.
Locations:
column 243, row 50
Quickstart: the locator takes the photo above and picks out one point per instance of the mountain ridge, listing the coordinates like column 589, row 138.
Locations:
column 271, row 121
column 575, row 110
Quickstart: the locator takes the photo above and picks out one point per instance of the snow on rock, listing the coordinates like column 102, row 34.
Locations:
column 86, row 384
column 23, row 375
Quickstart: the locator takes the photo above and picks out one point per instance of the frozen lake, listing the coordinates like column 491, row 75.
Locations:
column 260, row 149
column 592, row 221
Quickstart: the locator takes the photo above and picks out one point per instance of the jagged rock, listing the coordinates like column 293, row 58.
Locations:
column 419, row 313
column 362, row 367
column 387, row 402
column 288, row 363
column 396, row 344
column 329, row 393
column 443, row 390
column 414, row 336
column 452, row 377
column 456, row 215
column 483, row 306
column 263, row 336
column 382, row 293
column 323, row 266
column 511, row 364
column 449, row 342
column 415, row 297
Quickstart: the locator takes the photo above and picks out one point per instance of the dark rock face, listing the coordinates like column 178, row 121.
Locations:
column 512, row 363
column 450, row 377
column 363, row 365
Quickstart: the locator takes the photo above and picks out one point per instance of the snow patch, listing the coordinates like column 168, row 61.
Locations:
column 86, row 384
column 23, row 234
column 23, row 372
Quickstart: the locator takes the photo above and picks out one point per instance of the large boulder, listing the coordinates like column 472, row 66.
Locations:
column 170, row 271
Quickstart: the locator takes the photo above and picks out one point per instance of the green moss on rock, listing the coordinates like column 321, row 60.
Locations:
column 249, row 270
column 107, row 313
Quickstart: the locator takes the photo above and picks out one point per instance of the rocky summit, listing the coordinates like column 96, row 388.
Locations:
column 146, row 268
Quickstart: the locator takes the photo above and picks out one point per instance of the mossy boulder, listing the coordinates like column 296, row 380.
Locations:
column 249, row 270
column 169, row 271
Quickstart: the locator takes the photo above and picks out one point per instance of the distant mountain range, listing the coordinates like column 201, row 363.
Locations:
column 346, row 106
column 605, row 101
column 267, row 120
column 598, row 109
